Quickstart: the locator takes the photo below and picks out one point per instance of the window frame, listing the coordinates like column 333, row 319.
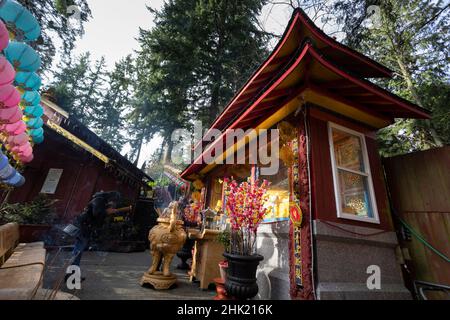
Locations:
column 368, row 174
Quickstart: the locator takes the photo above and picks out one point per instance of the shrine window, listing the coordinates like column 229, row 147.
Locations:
column 353, row 187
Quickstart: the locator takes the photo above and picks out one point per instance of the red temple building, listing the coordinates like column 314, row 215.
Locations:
column 319, row 90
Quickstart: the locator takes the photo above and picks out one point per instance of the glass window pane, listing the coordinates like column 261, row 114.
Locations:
column 348, row 151
column 354, row 194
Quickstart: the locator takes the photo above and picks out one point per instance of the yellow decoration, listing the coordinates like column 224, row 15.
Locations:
column 196, row 196
column 198, row 184
column 287, row 132
column 287, row 156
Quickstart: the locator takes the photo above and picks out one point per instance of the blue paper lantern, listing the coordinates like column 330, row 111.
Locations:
column 3, row 161
column 33, row 133
column 25, row 26
column 34, row 111
column 29, row 81
column 22, row 57
column 7, row 172
column 35, row 123
column 31, row 98
column 17, row 180
column 38, row 139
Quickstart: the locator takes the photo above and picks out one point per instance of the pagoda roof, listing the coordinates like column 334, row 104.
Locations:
column 310, row 66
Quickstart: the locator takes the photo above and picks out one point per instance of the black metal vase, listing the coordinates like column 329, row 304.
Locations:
column 241, row 275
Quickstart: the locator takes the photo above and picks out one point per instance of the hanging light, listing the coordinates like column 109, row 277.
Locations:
column 21, row 22
column 22, row 57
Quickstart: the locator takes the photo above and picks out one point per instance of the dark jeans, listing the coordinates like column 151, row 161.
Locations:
column 80, row 245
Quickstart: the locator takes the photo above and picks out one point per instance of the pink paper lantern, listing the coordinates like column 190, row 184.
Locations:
column 7, row 113
column 17, row 116
column 19, row 139
column 26, row 159
column 7, row 72
column 22, row 150
column 4, row 36
column 9, row 96
column 14, row 129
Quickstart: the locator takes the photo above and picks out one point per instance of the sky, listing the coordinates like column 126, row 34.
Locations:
column 114, row 27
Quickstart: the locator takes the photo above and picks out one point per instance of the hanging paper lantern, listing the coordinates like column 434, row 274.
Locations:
column 22, row 57
column 30, row 98
column 7, row 72
column 16, row 181
column 38, row 139
column 34, row 123
column 7, row 171
column 28, row 81
column 21, row 22
column 10, row 117
column 34, row 111
column 26, row 159
column 36, row 132
column 7, row 113
column 9, row 96
column 4, row 36
column 3, row 160
column 19, row 139
column 14, row 129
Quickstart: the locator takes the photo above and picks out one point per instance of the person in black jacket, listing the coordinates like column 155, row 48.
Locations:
column 92, row 218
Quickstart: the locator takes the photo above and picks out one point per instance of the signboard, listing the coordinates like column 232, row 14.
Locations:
column 52, row 180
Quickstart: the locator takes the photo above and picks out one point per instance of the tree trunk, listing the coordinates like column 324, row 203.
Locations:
column 418, row 100
column 168, row 153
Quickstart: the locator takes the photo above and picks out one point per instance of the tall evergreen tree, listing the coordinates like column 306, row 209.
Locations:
column 413, row 39
column 53, row 17
column 194, row 59
column 101, row 100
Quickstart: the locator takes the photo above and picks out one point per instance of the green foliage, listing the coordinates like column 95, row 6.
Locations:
column 52, row 17
column 99, row 99
column 225, row 239
column 193, row 61
column 38, row 211
column 413, row 39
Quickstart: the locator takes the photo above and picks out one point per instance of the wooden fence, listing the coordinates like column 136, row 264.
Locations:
column 419, row 184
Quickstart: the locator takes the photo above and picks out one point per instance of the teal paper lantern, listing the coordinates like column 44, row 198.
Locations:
column 34, row 111
column 35, row 123
column 38, row 139
column 30, row 98
column 22, row 57
column 28, row 81
column 20, row 20
column 33, row 133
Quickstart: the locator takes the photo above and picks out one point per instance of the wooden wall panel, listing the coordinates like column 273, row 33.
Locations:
column 420, row 188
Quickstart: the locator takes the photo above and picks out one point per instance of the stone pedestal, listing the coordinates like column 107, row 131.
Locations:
column 159, row 281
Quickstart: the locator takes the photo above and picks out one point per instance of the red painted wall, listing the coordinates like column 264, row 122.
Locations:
column 83, row 175
column 324, row 205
